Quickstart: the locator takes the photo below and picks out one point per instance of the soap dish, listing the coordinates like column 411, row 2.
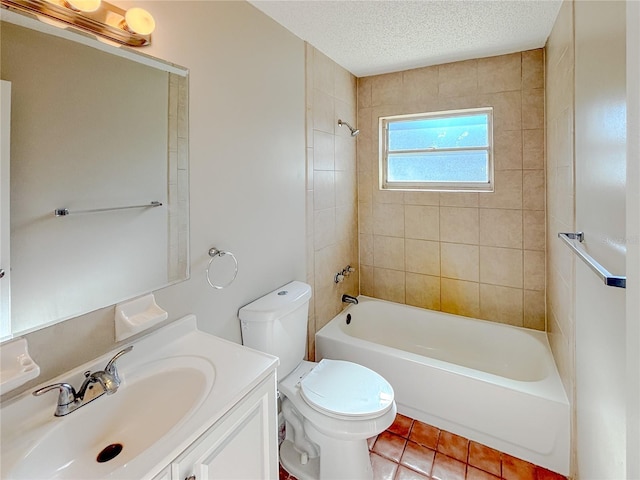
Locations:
column 137, row 315
column 17, row 366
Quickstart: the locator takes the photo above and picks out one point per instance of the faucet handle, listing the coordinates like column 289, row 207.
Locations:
column 111, row 365
column 66, row 396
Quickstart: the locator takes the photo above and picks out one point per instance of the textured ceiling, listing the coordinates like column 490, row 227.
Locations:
column 380, row 36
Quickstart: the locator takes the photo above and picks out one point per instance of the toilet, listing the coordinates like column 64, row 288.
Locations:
column 330, row 408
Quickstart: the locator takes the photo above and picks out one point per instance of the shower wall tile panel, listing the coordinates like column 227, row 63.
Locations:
column 332, row 185
column 474, row 254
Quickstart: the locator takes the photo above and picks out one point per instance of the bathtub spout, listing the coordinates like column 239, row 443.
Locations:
column 349, row 299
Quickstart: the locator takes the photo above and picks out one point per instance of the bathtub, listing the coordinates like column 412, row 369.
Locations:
column 492, row 383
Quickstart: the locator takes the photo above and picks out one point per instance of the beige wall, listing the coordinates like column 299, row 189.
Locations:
column 476, row 254
column 559, row 87
column 331, row 187
column 246, row 170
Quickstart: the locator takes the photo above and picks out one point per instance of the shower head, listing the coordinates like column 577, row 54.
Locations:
column 354, row 132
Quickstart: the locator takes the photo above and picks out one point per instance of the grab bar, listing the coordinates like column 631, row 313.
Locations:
column 609, row 279
column 62, row 212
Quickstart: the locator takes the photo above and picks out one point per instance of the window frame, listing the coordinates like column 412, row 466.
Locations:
column 383, row 161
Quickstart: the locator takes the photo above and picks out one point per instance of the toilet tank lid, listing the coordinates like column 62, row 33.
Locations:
column 277, row 303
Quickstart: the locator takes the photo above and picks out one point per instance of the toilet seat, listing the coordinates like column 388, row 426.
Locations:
column 346, row 389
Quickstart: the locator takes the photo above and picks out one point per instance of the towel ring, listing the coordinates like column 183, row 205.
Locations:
column 214, row 253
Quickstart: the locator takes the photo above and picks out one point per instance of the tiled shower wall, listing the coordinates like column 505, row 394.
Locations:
column 560, row 194
column 332, row 216
column 475, row 254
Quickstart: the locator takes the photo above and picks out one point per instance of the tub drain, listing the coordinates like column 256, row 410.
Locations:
column 109, row 452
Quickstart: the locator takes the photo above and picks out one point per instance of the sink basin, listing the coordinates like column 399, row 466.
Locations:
column 107, row 433
column 177, row 382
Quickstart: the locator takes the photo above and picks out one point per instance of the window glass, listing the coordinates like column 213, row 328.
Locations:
column 437, row 151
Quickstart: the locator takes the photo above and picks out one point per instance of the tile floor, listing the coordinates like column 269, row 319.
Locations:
column 412, row 450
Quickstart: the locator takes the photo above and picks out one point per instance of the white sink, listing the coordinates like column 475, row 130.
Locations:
column 175, row 384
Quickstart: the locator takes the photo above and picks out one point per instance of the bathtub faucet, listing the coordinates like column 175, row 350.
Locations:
column 349, row 299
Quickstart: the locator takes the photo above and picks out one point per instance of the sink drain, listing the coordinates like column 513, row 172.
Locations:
column 109, row 452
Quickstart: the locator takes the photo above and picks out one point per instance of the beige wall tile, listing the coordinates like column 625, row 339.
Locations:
column 365, row 217
column 388, row 219
column 508, row 191
column 388, row 252
column 346, row 189
column 324, row 227
column 364, row 92
column 499, row 74
column 460, row 297
column 507, row 150
column 324, row 190
column 422, row 198
column 501, row 304
column 389, row 285
column 323, row 151
column 459, row 225
column 422, row 222
column 501, row 228
column 344, row 85
column 534, row 310
column 501, row 266
column 323, row 111
column 422, row 256
column 345, row 153
column 458, row 79
column 386, row 89
column 420, row 84
column 534, row 229
column 422, row 291
column 507, row 109
column 459, row 199
column 366, row 280
column 533, row 193
column 533, row 69
column 533, row 149
column 534, row 270
column 346, row 225
column 533, row 108
column 323, row 70
column 366, row 249
column 459, row 261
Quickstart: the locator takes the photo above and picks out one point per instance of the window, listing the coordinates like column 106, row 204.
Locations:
column 437, row 151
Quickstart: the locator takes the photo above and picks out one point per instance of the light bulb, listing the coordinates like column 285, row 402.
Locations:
column 138, row 20
column 83, row 5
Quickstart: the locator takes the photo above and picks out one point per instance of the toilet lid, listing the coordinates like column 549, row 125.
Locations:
column 345, row 388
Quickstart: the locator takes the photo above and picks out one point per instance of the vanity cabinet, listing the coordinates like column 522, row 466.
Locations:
column 241, row 445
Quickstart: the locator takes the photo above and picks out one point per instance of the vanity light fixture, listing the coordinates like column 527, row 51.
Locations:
column 132, row 27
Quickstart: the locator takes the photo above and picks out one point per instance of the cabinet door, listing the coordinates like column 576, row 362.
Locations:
column 164, row 474
column 242, row 445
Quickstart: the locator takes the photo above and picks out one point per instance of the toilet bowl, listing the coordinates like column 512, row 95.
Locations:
column 340, row 405
column 330, row 408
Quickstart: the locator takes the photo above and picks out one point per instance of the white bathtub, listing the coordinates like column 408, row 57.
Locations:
column 492, row 383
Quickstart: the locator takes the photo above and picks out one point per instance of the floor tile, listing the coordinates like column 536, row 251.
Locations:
column 474, row 473
column 485, row 458
column 405, row 473
column 516, row 469
column 453, row 445
column 424, row 434
column 544, row 474
column 389, row 446
column 418, row 458
column 401, row 426
column 371, row 441
column 383, row 469
column 447, row 468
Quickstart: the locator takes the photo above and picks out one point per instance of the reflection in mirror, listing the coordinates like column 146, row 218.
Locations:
column 91, row 132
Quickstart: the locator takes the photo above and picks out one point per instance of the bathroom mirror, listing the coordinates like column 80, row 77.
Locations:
column 98, row 133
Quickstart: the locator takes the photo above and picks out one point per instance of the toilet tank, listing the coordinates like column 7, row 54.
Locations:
column 277, row 324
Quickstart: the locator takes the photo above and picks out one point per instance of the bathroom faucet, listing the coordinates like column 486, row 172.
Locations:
column 349, row 299
column 70, row 400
